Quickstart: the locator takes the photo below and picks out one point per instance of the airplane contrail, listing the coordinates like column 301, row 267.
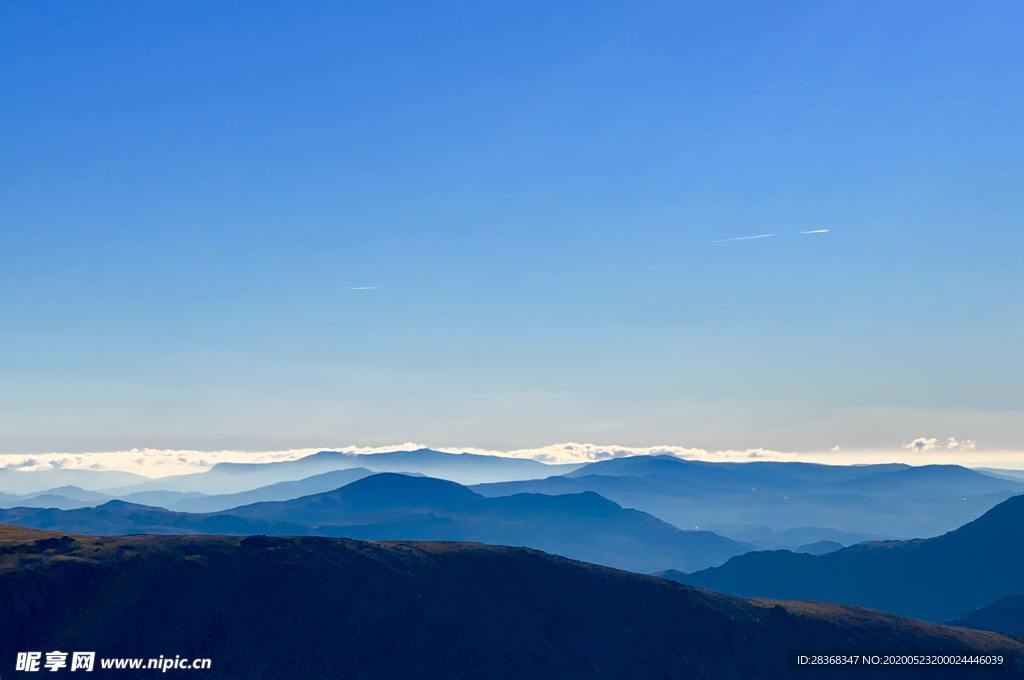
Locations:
column 364, row 287
column 816, row 231
column 742, row 238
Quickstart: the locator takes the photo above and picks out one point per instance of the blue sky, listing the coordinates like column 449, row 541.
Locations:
column 190, row 192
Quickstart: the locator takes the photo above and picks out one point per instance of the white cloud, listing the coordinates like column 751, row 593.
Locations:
column 955, row 444
column 922, row 444
column 161, row 462
column 576, row 452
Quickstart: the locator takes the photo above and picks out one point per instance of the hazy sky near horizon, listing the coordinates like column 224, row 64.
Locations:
column 268, row 226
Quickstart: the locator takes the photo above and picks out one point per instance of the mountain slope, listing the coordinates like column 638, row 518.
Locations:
column 304, row 608
column 1005, row 615
column 937, row 578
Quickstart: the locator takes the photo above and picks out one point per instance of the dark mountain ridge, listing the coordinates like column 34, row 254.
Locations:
column 307, row 608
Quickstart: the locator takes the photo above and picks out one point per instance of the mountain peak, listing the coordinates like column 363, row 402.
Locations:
column 390, row 488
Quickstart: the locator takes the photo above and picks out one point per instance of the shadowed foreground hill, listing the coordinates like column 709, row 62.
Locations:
column 271, row 608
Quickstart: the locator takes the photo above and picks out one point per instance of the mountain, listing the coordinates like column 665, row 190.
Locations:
column 392, row 506
column 882, row 500
column 466, row 468
column 47, row 500
column 1007, row 474
column 76, row 493
column 21, row 482
column 583, row 526
column 281, row 491
column 818, row 547
column 951, row 479
column 788, row 539
column 936, row 578
column 1005, row 615
column 63, row 497
column 380, row 495
column 162, row 499
column 118, row 517
column 307, row 608
column 764, row 473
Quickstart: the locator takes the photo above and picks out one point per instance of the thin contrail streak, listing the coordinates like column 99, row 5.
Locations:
column 816, row 231
column 363, row 287
column 742, row 238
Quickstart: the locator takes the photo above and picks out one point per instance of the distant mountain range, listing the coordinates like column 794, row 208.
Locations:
column 223, row 478
column 766, row 504
column 937, row 578
column 465, row 468
column 769, row 539
column 306, row 608
column 818, row 547
column 17, row 482
column 891, row 500
column 72, row 497
column 281, row 491
column 393, row 506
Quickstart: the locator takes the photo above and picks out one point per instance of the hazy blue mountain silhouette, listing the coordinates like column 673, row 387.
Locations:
column 162, row 499
column 465, row 468
column 937, row 578
column 384, row 493
column 47, row 500
column 393, row 506
column 320, row 483
column 62, row 497
column 306, row 608
column 1005, row 615
column 887, row 500
column 583, row 526
column 818, row 547
column 77, row 493
column 19, row 482
column 951, row 479
column 768, row 539
column 1017, row 475
column 766, row 473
